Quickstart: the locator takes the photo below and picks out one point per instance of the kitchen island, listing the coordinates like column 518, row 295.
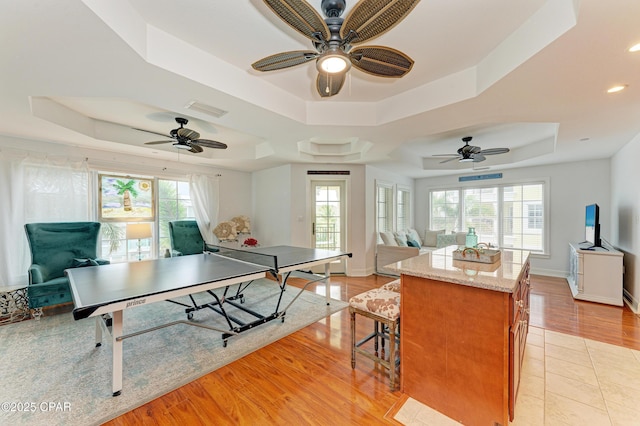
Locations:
column 463, row 328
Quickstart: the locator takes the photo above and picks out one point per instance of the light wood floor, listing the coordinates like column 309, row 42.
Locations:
column 306, row 378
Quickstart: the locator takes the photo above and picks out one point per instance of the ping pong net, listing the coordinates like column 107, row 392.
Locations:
column 244, row 255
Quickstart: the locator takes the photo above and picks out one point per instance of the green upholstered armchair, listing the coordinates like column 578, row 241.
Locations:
column 54, row 248
column 185, row 238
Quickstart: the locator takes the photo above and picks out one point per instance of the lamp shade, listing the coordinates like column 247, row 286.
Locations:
column 138, row 231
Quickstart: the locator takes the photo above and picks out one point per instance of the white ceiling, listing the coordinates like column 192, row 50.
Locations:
column 529, row 75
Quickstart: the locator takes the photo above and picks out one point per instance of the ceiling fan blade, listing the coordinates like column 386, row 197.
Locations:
column 302, row 17
column 381, row 61
column 209, row 143
column 450, row 159
column 469, row 149
column 445, row 155
column 494, row 151
column 329, row 84
column 370, row 18
column 478, row 157
column 188, row 133
column 195, row 148
column 158, row 142
column 151, row 131
column 284, row 60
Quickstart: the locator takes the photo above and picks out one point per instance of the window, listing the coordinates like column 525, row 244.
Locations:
column 403, row 208
column 384, row 207
column 174, row 203
column 445, row 210
column 510, row 216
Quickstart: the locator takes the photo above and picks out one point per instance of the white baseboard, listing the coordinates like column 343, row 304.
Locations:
column 631, row 302
column 549, row 272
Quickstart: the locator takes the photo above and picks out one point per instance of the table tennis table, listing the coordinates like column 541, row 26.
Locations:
column 105, row 291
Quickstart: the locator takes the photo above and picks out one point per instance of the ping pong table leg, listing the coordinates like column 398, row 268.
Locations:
column 98, row 331
column 116, row 333
column 326, row 282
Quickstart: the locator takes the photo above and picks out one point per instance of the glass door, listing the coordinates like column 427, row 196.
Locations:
column 328, row 219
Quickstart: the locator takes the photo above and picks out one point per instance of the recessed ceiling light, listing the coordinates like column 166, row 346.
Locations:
column 635, row 48
column 615, row 89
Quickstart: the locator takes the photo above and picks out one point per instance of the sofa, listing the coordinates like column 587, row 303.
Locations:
column 397, row 246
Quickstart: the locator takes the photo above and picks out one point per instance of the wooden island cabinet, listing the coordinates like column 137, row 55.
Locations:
column 463, row 328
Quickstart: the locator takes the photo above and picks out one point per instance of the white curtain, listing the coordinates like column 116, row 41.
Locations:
column 13, row 270
column 36, row 190
column 204, row 191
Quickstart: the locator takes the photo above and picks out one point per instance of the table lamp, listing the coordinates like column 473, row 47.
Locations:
column 138, row 231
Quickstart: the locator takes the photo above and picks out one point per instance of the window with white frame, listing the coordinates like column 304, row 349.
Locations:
column 510, row 216
column 403, row 208
column 384, row 207
column 173, row 203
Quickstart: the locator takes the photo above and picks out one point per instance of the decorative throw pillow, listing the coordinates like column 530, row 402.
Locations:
column 412, row 243
column 401, row 239
column 80, row 263
column 445, row 240
column 414, row 236
column 431, row 237
column 388, row 239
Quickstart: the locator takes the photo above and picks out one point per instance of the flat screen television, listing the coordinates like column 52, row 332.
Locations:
column 592, row 225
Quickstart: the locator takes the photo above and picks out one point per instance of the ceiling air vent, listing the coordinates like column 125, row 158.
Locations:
column 206, row 109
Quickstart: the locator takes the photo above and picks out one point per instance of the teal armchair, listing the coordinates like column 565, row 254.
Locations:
column 54, row 248
column 185, row 238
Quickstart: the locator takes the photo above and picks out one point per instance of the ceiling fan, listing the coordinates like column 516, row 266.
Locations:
column 334, row 37
column 186, row 139
column 470, row 153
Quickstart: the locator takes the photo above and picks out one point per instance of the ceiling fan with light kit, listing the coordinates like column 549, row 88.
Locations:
column 470, row 153
column 334, row 37
column 187, row 139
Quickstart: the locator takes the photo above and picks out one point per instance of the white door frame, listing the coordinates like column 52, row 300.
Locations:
column 342, row 181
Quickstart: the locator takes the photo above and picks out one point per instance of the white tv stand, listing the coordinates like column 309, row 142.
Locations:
column 596, row 275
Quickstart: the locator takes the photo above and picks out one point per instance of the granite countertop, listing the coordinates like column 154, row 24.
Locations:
column 440, row 265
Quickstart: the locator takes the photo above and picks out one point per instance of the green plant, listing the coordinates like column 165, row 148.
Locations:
column 114, row 233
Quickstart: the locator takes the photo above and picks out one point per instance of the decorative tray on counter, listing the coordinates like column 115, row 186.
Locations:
column 480, row 255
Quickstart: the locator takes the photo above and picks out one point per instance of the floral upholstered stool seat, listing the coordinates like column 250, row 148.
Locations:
column 392, row 286
column 383, row 307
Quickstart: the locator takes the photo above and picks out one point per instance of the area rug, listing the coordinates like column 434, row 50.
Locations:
column 53, row 374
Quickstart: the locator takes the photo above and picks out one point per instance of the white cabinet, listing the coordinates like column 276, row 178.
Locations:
column 596, row 275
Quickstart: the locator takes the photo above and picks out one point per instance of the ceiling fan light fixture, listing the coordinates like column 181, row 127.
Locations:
column 616, row 89
column 181, row 146
column 466, row 160
column 332, row 62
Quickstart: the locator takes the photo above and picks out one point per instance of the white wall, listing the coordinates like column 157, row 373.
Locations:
column 625, row 215
column 572, row 186
column 271, row 218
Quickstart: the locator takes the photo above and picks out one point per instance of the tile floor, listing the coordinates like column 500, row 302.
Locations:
column 566, row 380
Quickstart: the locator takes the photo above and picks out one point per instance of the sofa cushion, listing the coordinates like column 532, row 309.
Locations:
column 431, row 237
column 401, row 238
column 388, row 238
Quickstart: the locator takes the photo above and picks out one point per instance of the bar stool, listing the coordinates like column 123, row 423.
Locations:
column 383, row 307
